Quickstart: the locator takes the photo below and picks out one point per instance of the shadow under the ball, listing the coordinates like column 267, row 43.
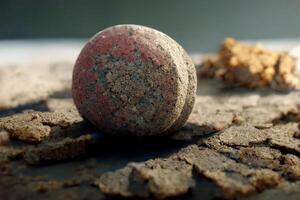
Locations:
column 137, row 148
column 110, row 152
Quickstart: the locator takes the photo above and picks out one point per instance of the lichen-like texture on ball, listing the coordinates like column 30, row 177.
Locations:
column 134, row 80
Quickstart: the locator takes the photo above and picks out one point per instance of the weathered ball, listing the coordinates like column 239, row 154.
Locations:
column 134, row 80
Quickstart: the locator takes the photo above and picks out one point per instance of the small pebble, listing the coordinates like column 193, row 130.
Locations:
column 134, row 80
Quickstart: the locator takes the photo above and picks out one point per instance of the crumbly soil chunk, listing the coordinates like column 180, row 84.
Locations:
column 283, row 137
column 160, row 178
column 65, row 149
column 251, row 66
column 242, row 135
column 288, row 191
column 279, row 137
column 36, row 126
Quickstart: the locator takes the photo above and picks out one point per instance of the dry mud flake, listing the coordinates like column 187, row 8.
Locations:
column 173, row 176
column 289, row 191
column 208, row 116
column 211, row 115
column 279, row 136
column 260, row 148
column 160, row 178
column 234, row 179
column 65, row 149
column 36, row 126
column 283, row 137
column 241, row 135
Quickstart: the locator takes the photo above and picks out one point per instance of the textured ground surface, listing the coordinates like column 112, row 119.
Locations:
column 238, row 143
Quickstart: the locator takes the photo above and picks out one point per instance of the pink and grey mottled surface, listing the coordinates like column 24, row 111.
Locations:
column 131, row 79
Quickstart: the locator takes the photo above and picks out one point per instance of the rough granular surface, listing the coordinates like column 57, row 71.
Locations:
column 131, row 79
column 36, row 126
column 160, row 178
column 251, row 66
column 237, row 144
column 40, row 82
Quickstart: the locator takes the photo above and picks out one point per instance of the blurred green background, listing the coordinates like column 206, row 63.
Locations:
column 199, row 25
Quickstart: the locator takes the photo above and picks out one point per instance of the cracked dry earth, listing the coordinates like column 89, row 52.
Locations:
column 237, row 144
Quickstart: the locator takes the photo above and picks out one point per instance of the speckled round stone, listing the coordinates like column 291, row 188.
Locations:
column 134, row 80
